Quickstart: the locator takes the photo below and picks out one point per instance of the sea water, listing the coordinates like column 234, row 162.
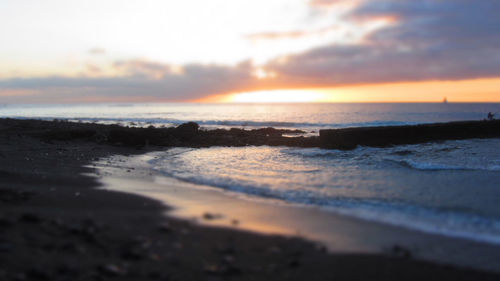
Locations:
column 450, row 187
column 308, row 117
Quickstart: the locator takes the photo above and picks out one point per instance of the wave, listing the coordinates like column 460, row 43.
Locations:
column 451, row 221
column 435, row 221
column 431, row 220
column 429, row 166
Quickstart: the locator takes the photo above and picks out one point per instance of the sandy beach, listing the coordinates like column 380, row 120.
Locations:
column 62, row 219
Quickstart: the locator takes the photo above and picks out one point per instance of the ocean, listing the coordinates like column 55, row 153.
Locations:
column 450, row 188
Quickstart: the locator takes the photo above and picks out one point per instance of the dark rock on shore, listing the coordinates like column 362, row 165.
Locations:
column 187, row 134
column 350, row 138
column 190, row 135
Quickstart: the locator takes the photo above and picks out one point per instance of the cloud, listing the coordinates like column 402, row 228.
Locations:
column 97, row 51
column 93, row 70
column 142, row 80
column 433, row 40
column 292, row 34
column 325, row 3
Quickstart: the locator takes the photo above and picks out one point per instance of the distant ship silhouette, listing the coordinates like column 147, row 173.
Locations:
column 445, row 100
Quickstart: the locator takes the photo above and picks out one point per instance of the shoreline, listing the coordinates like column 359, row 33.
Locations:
column 338, row 233
column 57, row 224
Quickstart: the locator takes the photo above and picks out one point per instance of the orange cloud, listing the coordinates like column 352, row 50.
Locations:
column 327, row 3
column 290, row 34
column 97, row 51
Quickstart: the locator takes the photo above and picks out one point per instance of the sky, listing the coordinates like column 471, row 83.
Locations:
column 67, row 51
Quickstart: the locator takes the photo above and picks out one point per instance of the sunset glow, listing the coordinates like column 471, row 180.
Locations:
column 426, row 91
column 248, row 51
column 278, row 96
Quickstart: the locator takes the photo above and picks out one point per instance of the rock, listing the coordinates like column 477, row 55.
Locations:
column 30, row 218
column 10, row 195
column 226, row 250
column 210, row 216
column 165, row 227
column 111, row 270
column 66, row 269
column 131, row 254
column 20, row 277
column 228, row 259
column 6, row 247
column 6, row 222
column 274, row 250
column 224, row 270
column 186, row 131
column 73, row 248
column 39, row 274
column 350, row 138
column 294, row 263
column 401, row 252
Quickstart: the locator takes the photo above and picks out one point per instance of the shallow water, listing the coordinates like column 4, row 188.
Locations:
column 451, row 188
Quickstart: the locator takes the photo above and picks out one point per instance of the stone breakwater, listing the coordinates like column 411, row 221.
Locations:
column 190, row 135
column 350, row 138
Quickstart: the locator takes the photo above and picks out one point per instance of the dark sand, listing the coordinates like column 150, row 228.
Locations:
column 55, row 225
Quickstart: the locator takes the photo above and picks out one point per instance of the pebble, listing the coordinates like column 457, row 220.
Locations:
column 165, row 227
column 274, row 250
column 294, row 263
column 30, row 218
column 6, row 222
column 229, row 259
column 401, row 252
column 111, row 270
column 210, row 216
column 131, row 254
column 225, row 270
column 6, row 247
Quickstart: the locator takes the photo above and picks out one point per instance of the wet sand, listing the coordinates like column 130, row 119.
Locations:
column 338, row 233
column 58, row 223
